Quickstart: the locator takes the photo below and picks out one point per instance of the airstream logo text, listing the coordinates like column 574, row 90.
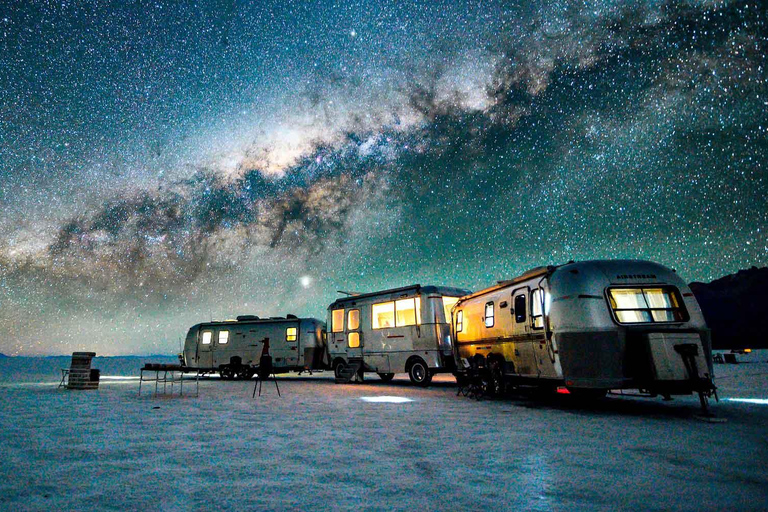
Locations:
column 636, row 276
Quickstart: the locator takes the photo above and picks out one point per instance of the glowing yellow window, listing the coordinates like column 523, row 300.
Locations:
column 408, row 312
column 223, row 337
column 207, row 335
column 353, row 339
column 459, row 320
column 290, row 334
column 448, row 303
column 353, row 319
column 337, row 320
column 383, row 315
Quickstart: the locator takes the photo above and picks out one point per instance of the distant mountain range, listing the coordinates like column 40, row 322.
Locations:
column 736, row 308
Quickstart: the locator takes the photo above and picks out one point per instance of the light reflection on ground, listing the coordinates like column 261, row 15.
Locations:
column 386, row 399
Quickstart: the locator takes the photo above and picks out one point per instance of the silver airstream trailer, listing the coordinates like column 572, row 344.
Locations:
column 233, row 348
column 590, row 326
column 392, row 331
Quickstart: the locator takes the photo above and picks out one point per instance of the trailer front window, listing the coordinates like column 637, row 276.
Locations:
column 537, row 307
column 448, row 303
column 646, row 305
column 337, row 320
column 207, row 335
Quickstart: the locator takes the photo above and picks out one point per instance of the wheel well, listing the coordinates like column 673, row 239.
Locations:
column 412, row 360
column 337, row 361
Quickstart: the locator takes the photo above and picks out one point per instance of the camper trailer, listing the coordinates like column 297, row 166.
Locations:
column 589, row 326
column 233, row 348
column 392, row 331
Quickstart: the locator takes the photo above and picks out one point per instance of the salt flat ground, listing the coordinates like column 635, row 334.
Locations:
column 321, row 446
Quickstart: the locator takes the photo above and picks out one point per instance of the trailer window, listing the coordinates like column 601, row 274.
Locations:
column 646, row 305
column 408, row 312
column 290, row 334
column 353, row 339
column 489, row 314
column 337, row 320
column 460, row 320
column 207, row 335
column 520, row 314
column 537, row 314
column 383, row 315
column 223, row 337
column 353, row 319
column 448, row 303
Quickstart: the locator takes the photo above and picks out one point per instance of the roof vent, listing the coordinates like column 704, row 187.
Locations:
column 293, row 317
column 242, row 318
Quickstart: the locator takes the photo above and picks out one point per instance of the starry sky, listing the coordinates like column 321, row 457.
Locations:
column 167, row 163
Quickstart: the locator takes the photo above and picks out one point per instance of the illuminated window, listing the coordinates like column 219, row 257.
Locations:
column 223, row 337
column 353, row 339
column 646, row 305
column 383, row 315
column 408, row 312
column 207, row 335
column 489, row 314
column 353, row 319
column 448, row 303
column 290, row 334
column 537, row 308
column 519, row 308
column 460, row 320
column 337, row 320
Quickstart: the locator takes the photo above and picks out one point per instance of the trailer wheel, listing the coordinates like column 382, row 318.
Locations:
column 419, row 373
column 386, row 377
column 226, row 372
column 338, row 367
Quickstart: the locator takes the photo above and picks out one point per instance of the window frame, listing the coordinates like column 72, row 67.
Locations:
column 349, row 313
column 493, row 314
column 674, row 293
column 349, row 339
column 416, row 312
column 288, row 334
column 202, row 337
column 226, row 338
column 541, row 305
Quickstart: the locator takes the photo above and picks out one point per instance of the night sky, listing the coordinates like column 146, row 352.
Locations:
column 162, row 165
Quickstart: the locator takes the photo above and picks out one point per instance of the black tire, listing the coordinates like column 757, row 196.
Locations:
column 419, row 373
column 386, row 377
column 338, row 366
column 226, row 373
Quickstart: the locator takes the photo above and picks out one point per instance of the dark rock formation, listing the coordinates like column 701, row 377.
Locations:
column 736, row 309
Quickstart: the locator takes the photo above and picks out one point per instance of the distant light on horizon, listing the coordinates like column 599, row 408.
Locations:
column 761, row 401
column 386, row 399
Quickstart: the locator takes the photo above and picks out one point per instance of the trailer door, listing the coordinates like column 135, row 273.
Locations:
column 292, row 345
column 205, row 348
column 354, row 336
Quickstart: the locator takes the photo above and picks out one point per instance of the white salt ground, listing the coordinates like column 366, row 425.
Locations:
column 321, row 446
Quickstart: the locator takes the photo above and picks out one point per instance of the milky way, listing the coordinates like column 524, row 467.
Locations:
column 162, row 165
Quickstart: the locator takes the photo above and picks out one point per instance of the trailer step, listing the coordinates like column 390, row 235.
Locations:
column 347, row 374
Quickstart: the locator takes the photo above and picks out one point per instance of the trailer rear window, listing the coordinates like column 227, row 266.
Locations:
column 537, row 308
column 647, row 305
